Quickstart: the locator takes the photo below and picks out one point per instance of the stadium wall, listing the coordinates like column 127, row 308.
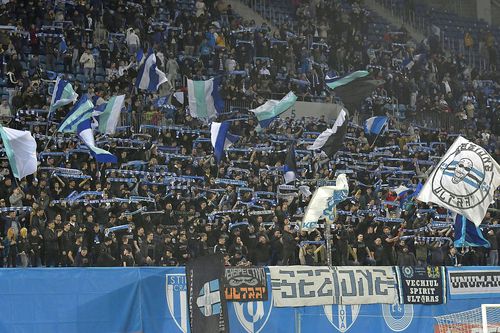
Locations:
column 309, row 109
column 154, row 300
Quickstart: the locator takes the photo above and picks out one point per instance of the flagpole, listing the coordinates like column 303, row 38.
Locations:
column 381, row 131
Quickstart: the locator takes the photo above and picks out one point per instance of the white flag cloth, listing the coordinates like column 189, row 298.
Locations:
column 20, row 147
column 464, row 181
column 324, row 200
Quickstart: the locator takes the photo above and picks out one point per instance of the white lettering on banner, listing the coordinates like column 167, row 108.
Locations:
column 365, row 285
column 301, row 286
column 473, row 282
column 308, row 286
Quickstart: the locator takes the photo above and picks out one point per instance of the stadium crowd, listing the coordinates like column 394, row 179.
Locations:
column 167, row 189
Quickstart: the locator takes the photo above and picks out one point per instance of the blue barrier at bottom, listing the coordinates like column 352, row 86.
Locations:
column 154, row 300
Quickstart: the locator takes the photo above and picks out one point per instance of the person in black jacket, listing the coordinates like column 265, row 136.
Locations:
column 262, row 252
column 67, row 240
column 289, row 246
column 83, row 258
column 51, row 244
column 105, row 259
column 35, row 248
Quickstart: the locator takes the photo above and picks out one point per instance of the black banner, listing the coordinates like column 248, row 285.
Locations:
column 207, row 306
column 245, row 284
column 421, row 285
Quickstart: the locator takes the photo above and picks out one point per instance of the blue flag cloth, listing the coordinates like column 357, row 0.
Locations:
column 467, row 234
column 221, row 138
column 84, row 130
column 290, row 167
column 62, row 94
column 150, row 77
column 375, row 125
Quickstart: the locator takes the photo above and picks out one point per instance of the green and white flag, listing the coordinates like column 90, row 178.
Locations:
column 108, row 114
column 81, row 111
column 20, row 147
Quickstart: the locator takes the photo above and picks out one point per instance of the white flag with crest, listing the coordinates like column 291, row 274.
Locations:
column 464, row 181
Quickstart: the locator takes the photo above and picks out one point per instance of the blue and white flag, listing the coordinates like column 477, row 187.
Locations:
column 81, row 111
column 85, row 132
column 139, row 56
column 204, row 98
column 467, row 234
column 163, row 103
column 221, row 138
column 375, row 125
column 324, row 201
column 63, row 47
column 20, row 147
column 290, row 167
column 62, row 94
column 108, row 114
column 271, row 109
column 150, row 77
column 464, row 181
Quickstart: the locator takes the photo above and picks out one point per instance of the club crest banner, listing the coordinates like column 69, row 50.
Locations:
column 421, row 285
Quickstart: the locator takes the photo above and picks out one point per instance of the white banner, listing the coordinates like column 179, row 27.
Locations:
column 301, row 285
column 365, row 285
column 464, row 181
column 310, row 285
column 472, row 282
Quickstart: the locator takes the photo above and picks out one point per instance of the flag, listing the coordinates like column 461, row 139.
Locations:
column 352, row 89
column 85, row 132
column 20, row 147
column 221, row 138
column 108, row 114
column 402, row 191
column 207, row 305
column 63, row 47
column 150, row 77
column 271, row 109
column 62, row 94
column 464, row 181
column 290, row 167
column 375, row 125
column 324, row 201
column 332, row 139
column 204, row 99
column 81, row 110
column 336, row 81
column 467, row 233
column 139, row 56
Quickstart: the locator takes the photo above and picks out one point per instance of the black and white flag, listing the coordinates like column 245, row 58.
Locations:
column 332, row 139
column 207, row 305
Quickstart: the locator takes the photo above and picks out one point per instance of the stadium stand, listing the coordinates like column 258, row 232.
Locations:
column 168, row 200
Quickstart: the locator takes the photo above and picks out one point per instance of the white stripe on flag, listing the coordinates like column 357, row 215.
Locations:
column 323, row 137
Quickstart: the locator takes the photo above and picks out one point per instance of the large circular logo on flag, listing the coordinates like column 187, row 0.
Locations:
column 463, row 179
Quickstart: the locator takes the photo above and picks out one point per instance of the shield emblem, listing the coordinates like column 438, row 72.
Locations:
column 253, row 316
column 342, row 317
column 177, row 300
column 398, row 317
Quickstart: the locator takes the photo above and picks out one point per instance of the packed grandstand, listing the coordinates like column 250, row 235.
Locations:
column 161, row 195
